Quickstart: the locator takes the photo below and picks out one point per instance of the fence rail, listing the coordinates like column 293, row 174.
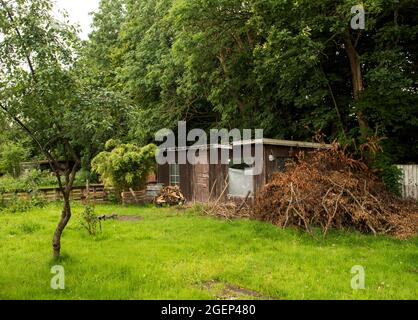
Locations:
column 141, row 197
column 409, row 180
column 95, row 192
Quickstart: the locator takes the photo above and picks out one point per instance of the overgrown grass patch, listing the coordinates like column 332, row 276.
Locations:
column 172, row 254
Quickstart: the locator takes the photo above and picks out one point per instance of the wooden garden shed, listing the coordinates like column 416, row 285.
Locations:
column 208, row 182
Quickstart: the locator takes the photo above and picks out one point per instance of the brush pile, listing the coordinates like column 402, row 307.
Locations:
column 170, row 195
column 228, row 210
column 330, row 189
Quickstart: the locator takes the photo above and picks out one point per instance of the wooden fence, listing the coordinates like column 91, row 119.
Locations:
column 96, row 193
column 141, row 197
column 409, row 180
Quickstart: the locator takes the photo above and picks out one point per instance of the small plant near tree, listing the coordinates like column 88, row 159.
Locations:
column 90, row 221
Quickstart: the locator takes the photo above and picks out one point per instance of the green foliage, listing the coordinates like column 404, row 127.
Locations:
column 111, row 144
column 125, row 166
column 16, row 204
column 83, row 175
column 377, row 156
column 272, row 64
column 45, row 91
column 11, row 156
column 35, row 179
column 100, row 58
column 29, row 181
column 389, row 173
column 90, row 221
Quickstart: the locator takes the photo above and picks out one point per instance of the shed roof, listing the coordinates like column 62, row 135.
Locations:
column 201, row 146
column 286, row 143
column 264, row 141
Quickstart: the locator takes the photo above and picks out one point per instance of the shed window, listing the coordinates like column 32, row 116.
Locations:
column 174, row 174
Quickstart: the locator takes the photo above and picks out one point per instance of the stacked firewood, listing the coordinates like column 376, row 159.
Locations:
column 170, row 195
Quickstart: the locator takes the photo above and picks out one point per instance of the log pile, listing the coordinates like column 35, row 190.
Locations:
column 170, row 195
column 333, row 190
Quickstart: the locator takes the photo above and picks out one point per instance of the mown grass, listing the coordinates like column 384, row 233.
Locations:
column 172, row 254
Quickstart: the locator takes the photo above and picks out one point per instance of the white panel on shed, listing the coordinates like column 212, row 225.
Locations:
column 240, row 183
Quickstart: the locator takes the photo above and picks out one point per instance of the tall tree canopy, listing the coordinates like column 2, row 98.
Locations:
column 289, row 67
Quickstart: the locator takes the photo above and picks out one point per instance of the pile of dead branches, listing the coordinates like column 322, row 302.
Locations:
column 170, row 195
column 227, row 210
column 330, row 189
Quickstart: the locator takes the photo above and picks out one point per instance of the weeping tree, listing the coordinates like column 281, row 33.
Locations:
column 41, row 92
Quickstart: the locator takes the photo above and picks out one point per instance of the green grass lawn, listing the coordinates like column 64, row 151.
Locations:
column 173, row 254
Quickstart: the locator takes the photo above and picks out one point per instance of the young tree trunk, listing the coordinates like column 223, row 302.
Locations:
column 66, row 211
column 357, row 79
column 65, row 217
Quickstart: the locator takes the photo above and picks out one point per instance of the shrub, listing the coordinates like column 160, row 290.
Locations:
column 11, row 156
column 17, row 204
column 90, row 221
column 125, row 165
column 30, row 182
column 375, row 153
column 390, row 174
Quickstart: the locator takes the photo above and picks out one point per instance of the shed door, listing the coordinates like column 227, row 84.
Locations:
column 201, row 185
